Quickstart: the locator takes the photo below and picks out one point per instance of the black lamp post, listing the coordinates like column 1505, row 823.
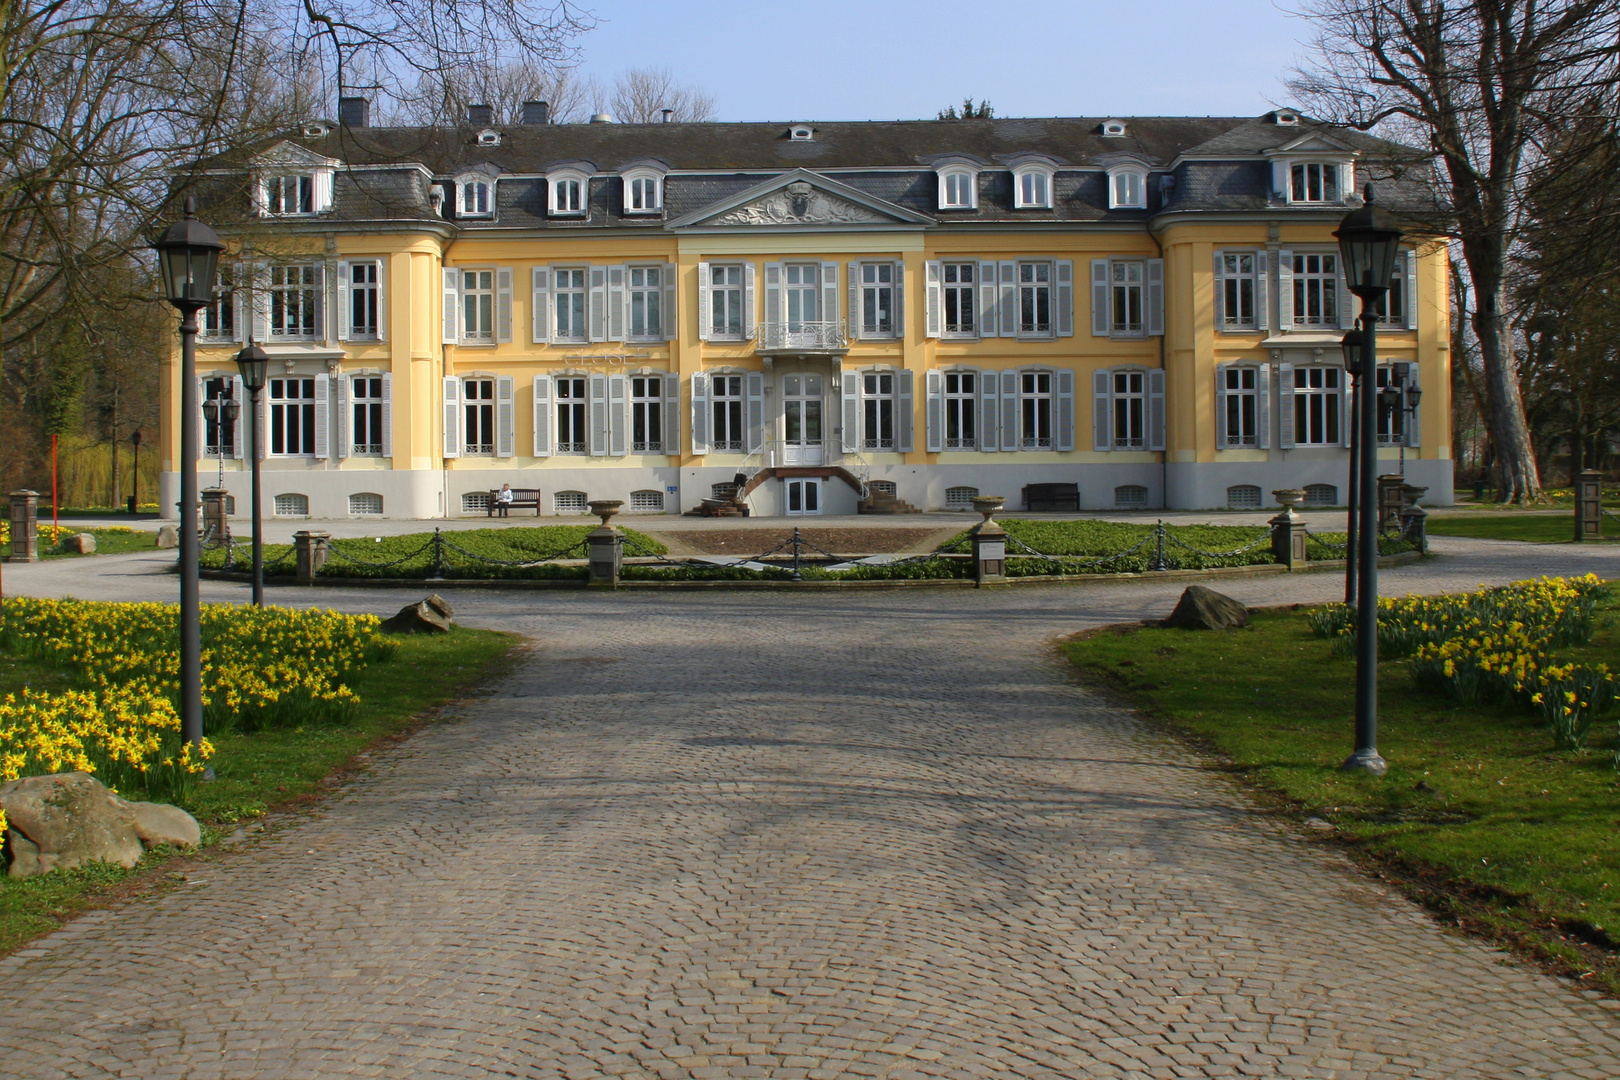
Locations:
column 135, row 478
column 220, row 411
column 188, row 256
column 1352, row 345
column 253, row 361
column 1369, row 241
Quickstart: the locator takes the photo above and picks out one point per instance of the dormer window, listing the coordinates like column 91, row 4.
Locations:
column 1314, row 182
column 473, row 198
column 1113, row 129
column 567, row 194
column 1032, row 187
column 294, row 194
column 1127, row 188
column 958, row 189
column 316, row 129
column 801, row 133
column 643, row 192
column 1286, row 118
column 489, row 137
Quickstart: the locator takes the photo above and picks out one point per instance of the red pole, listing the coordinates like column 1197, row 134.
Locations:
column 56, row 525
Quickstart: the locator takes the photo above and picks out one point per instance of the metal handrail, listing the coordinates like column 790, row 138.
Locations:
column 800, row 335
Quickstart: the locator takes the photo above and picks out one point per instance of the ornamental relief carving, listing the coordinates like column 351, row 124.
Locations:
column 801, row 208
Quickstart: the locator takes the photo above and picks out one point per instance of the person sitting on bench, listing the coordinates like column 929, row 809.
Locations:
column 503, row 499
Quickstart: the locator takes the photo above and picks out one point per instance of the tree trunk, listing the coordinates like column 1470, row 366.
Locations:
column 1517, row 478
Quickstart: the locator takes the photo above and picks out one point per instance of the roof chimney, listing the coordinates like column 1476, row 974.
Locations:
column 480, row 115
column 354, row 112
column 536, row 112
column 602, row 118
column 667, row 114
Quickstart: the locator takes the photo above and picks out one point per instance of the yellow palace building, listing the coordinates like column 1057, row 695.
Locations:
column 849, row 315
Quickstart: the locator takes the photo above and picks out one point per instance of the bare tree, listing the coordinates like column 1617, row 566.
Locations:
column 1479, row 81
column 442, row 97
column 640, row 96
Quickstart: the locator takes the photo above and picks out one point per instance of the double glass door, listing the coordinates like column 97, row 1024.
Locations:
column 803, row 495
column 802, row 425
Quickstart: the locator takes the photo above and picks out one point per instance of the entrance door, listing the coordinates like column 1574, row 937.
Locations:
column 803, row 496
column 801, row 415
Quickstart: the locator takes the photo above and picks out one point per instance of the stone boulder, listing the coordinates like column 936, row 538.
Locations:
column 168, row 537
column 79, row 543
column 69, row 819
column 430, row 616
column 1205, row 609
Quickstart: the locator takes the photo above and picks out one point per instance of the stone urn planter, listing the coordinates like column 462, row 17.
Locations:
column 605, row 508
column 988, row 505
column 1412, row 494
column 1288, row 498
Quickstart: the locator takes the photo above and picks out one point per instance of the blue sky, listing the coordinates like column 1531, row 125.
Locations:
column 905, row 59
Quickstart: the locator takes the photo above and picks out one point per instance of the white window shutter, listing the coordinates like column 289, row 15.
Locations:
column 259, row 302
column 505, row 418
column 1155, row 296
column 906, row 437
column 542, row 415
column 934, row 387
column 700, row 413
column 1009, row 410
column 900, row 300
column 775, row 299
column 618, row 414
column 1220, row 291
column 933, row 300
column 1065, row 410
column 1220, row 404
column 451, row 330
column 748, row 301
column 345, row 418
column 323, row 417
column 1279, row 177
column 388, row 416
column 851, row 398
column 244, row 417
column 989, row 324
column 540, row 314
column 1262, row 406
column 1285, row 289
column 670, row 316
column 1262, row 288
column 756, row 411
column 1008, row 303
column 382, row 300
column 1155, row 410
column 989, row 411
column 596, row 303
column 617, row 304
column 343, row 306
column 503, row 304
column 672, row 414
column 323, row 306
column 202, row 418
column 259, row 196
column 598, row 415
column 322, row 190
column 1101, row 409
column 1285, row 406
column 829, row 297
column 1411, row 295
column 240, row 313
column 856, row 317
column 705, row 316
column 452, row 417
column 1346, row 302
column 1099, row 297
column 1065, row 297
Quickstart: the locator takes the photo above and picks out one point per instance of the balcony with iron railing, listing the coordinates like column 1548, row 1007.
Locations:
column 819, row 338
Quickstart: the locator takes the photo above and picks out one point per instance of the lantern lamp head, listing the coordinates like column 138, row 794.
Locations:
column 252, row 361
column 188, row 255
column 1369, row 241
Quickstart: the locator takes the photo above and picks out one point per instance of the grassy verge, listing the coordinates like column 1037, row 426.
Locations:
column 1478, row 816
column 261, row 771
column 1534, row 528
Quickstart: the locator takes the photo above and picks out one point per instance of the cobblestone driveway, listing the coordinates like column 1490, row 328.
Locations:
column 794, row 835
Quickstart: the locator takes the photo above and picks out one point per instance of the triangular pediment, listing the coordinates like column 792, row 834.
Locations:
column 1314, row 143
column 287, row 154
column 801, row 198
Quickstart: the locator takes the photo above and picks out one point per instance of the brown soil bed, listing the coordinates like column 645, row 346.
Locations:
column 838, row 541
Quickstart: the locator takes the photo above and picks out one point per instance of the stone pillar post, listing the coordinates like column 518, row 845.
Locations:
column 1588, row 505
column 24, row 527
column 1415, row 526
column 310, row 549
column 1390, row 500
column 1288, row 530
column 989, row 543
column 605, row 545
column 216, row 524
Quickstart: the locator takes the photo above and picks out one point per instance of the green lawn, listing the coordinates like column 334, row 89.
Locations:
column 264, row 770
column 109, row 541
column 1535, row 528
column 1478, row 815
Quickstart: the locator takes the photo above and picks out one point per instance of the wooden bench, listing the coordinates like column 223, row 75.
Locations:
column 1051, row 496
column 522, row 499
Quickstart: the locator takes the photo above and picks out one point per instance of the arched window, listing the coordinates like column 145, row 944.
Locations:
column 1321, row 494
column 567, row 191
column 474, row 197
column 291, row 505
column 643, row 191
column 960, row 497
column 1127, row 188
column 366, row 503
column 958, row 188
column 1243, row 497
column 646, row 502
column 570, row 502
column 1130, row 495
column 1032, row 187
column 883, row 487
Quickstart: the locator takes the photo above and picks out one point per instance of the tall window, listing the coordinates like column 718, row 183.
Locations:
column 478, row 416
column 961, row 410
column 958, row 285
column 294, row 194
column 877, row 299
column 1314, row 182
column 1391, row 422
column 569, row 291
column 642, row 194
column 956, row 191
column 1238, row 290
column 877, row 410
column 567, row 196
column 646, row 302
column 219, row 435
column 647, row 414
column 1242, row 406
column 1391, row 306
column 1035, row 298
column 1034, row 190
column 1129, row 190
column 294, row 295
column 478, row 305
column 364, row 279
column 1125, row 296
column 571, row 415
column 725, row 301
column 366, row 415
column 218, row 319
column 803, row 294
column 475, row 197
column 1316, row 290
column 726, row 394
column 1130, row 410
column 292, row 417
column 1317, row 407
column 1035, row 409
